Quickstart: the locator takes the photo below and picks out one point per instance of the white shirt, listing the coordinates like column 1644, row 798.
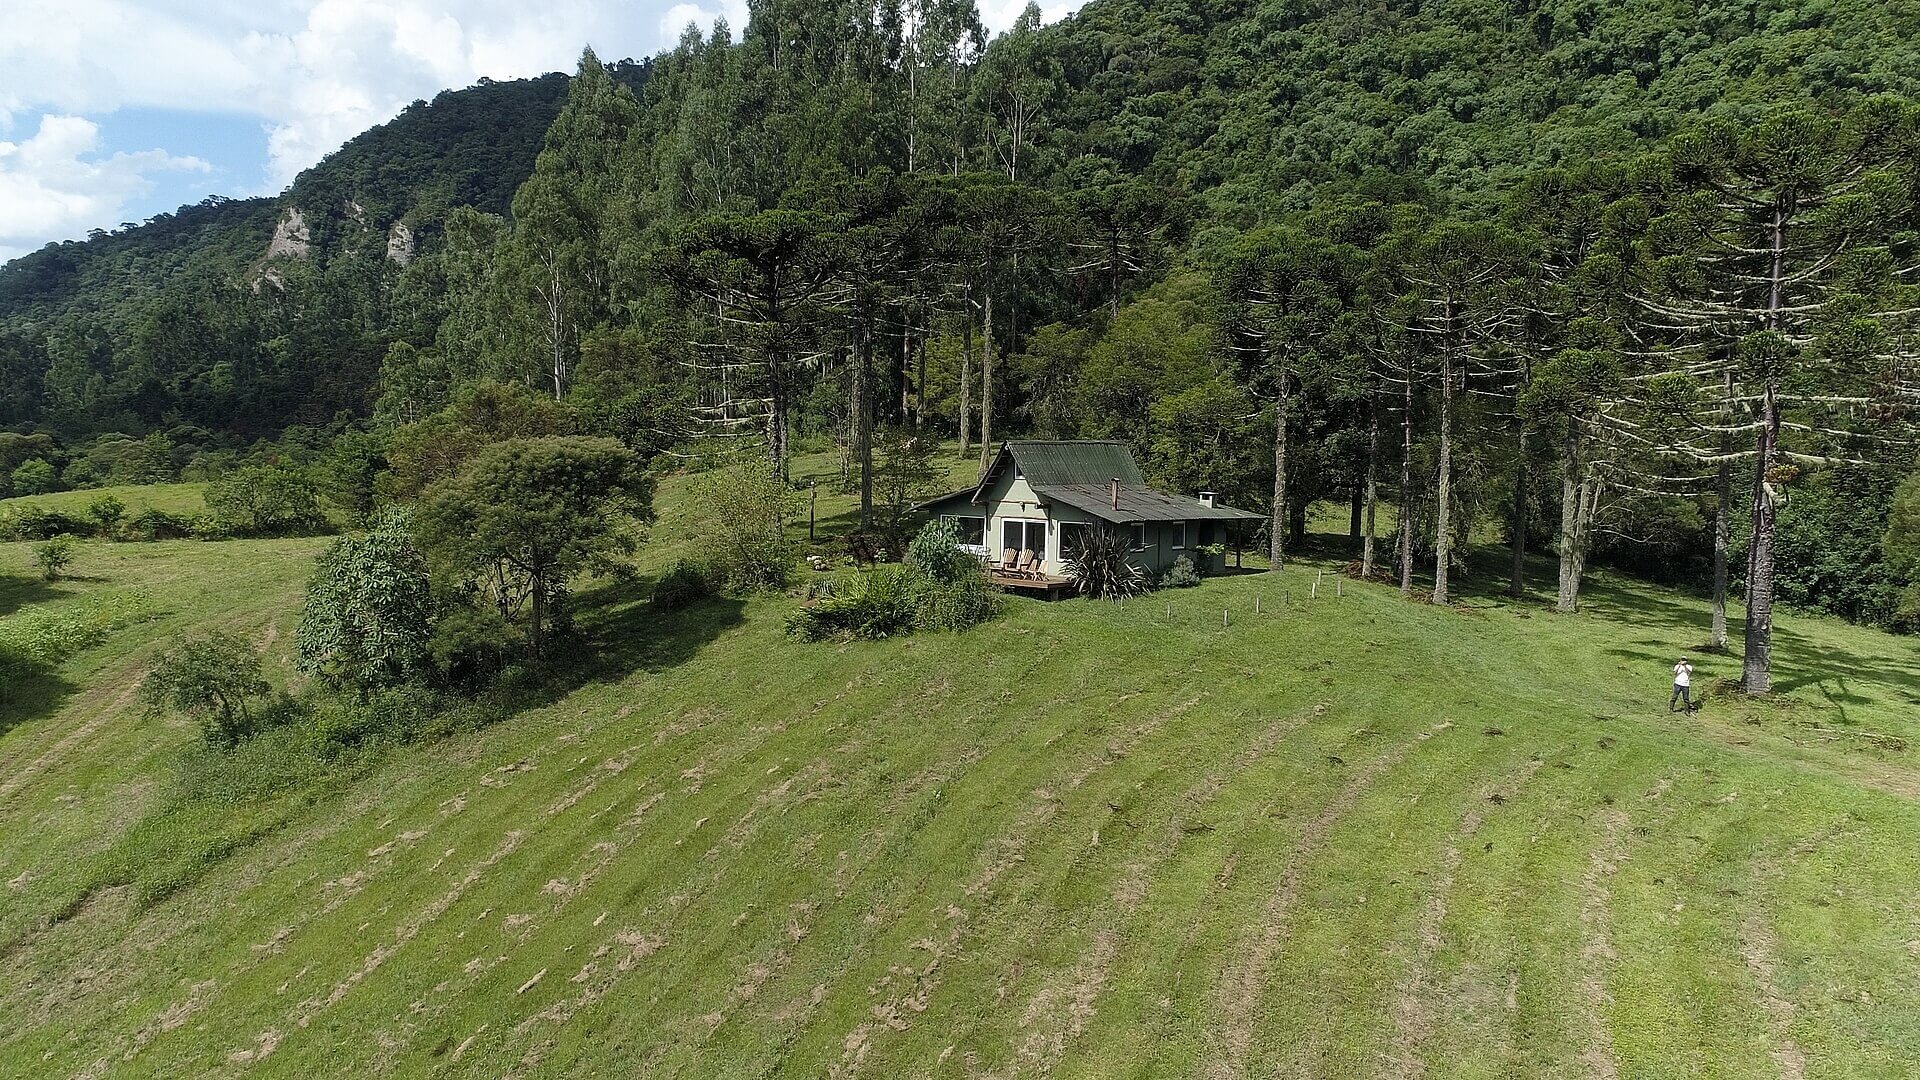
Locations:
column 1682, row 674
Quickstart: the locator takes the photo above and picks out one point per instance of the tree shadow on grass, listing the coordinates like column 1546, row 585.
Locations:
column 19, row 592
column 623, row 632
column 30, row 691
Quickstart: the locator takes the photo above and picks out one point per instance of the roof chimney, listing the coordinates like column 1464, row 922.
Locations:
column 1209, row 499
column 1116, row 493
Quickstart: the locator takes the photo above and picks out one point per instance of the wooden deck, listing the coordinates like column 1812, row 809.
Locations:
column 1027, row 581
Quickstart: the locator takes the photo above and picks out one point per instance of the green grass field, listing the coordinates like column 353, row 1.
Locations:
column 1332, row 836
column 184, row 499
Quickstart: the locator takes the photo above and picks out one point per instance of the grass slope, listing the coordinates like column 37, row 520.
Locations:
column 1342, row 836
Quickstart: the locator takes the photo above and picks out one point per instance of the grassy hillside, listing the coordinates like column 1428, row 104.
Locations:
column 1338, row 835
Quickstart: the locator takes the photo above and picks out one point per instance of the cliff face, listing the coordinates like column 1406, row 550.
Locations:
column 291, row 237
column 401, row 244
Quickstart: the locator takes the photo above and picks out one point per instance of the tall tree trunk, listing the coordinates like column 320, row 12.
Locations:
column 920, row 380
column 1372, row 483
column 1443, row 486
column 1282, row 408
column 986, row 385
column 1722, row 532
column 1406, row 487
column 1568, row 599
column 966, row 374
column 537, row 630
column 1518, row 586
column 1756, row 668
column 863, row 422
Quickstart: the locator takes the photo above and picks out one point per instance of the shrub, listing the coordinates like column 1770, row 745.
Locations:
column 33, row 523
column 392, row 714
column 471, row 645
column 884, row 603
column 747, row 509
column 1101, row 565
column 964, row 600
column 264, row 500
column 1183, row 574
column 107, row 511
column 35, row 476
column 150, row 525
column 685, row 583
column 369, row 610
column 210, row 678
column 55, row 555
column 935, row 550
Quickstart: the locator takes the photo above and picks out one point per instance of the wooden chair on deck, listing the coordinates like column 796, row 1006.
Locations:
column 1030, row 564
column 1010, row 563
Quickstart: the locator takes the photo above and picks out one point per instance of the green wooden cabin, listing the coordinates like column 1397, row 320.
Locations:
column 1036, row 493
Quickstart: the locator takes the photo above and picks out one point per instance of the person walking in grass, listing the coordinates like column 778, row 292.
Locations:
column 1682, row 686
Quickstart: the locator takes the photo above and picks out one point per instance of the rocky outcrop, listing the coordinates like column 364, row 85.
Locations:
column 401, row 244
column 291, row 237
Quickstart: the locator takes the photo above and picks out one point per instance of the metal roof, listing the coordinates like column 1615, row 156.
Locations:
column 1138, row 503
column 1080, row 461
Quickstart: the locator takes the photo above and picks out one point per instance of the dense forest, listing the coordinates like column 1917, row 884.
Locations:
column 1632, row 282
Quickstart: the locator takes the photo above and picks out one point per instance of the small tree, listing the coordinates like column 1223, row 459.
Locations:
column 905, row 475
column 107, row 512
column 266, row 500
column 525, row 515
column 210, row 679
column 55, row 555
column 368, row 618
column 34, row 477
column 747, row 510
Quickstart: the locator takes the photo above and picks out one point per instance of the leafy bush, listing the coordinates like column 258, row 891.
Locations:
column 40, row 637
column 398, row 714
column 472, row 644
column 35, row 476
column 107, row 511
column 211, row 679
column 884, row 603
column 747, row 509
column 1182, row 575
column 33, row 523
column 895, row 600
column 150, row 525
column 265, row 500
column 55, row 555
column 1101, row 565
column 685, row 583
column 961, row 602
column 935, row 550
column 369, row 610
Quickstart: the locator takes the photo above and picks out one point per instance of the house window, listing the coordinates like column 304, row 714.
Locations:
column 1179, row 535
column 1139, row 536
column 1073, row 536
column 971, row 530
column 1022, row 536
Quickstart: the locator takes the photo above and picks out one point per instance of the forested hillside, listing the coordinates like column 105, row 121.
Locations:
column 1465, row 260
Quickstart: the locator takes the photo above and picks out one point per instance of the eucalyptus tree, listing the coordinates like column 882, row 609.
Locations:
column 1778, row 245
column 1018, row 81
column 557, row 258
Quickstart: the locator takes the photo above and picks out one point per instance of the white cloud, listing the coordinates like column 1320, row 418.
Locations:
column 57, row 183
column 679, row 16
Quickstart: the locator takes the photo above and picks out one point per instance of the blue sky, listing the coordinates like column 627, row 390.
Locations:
column 114, row 110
